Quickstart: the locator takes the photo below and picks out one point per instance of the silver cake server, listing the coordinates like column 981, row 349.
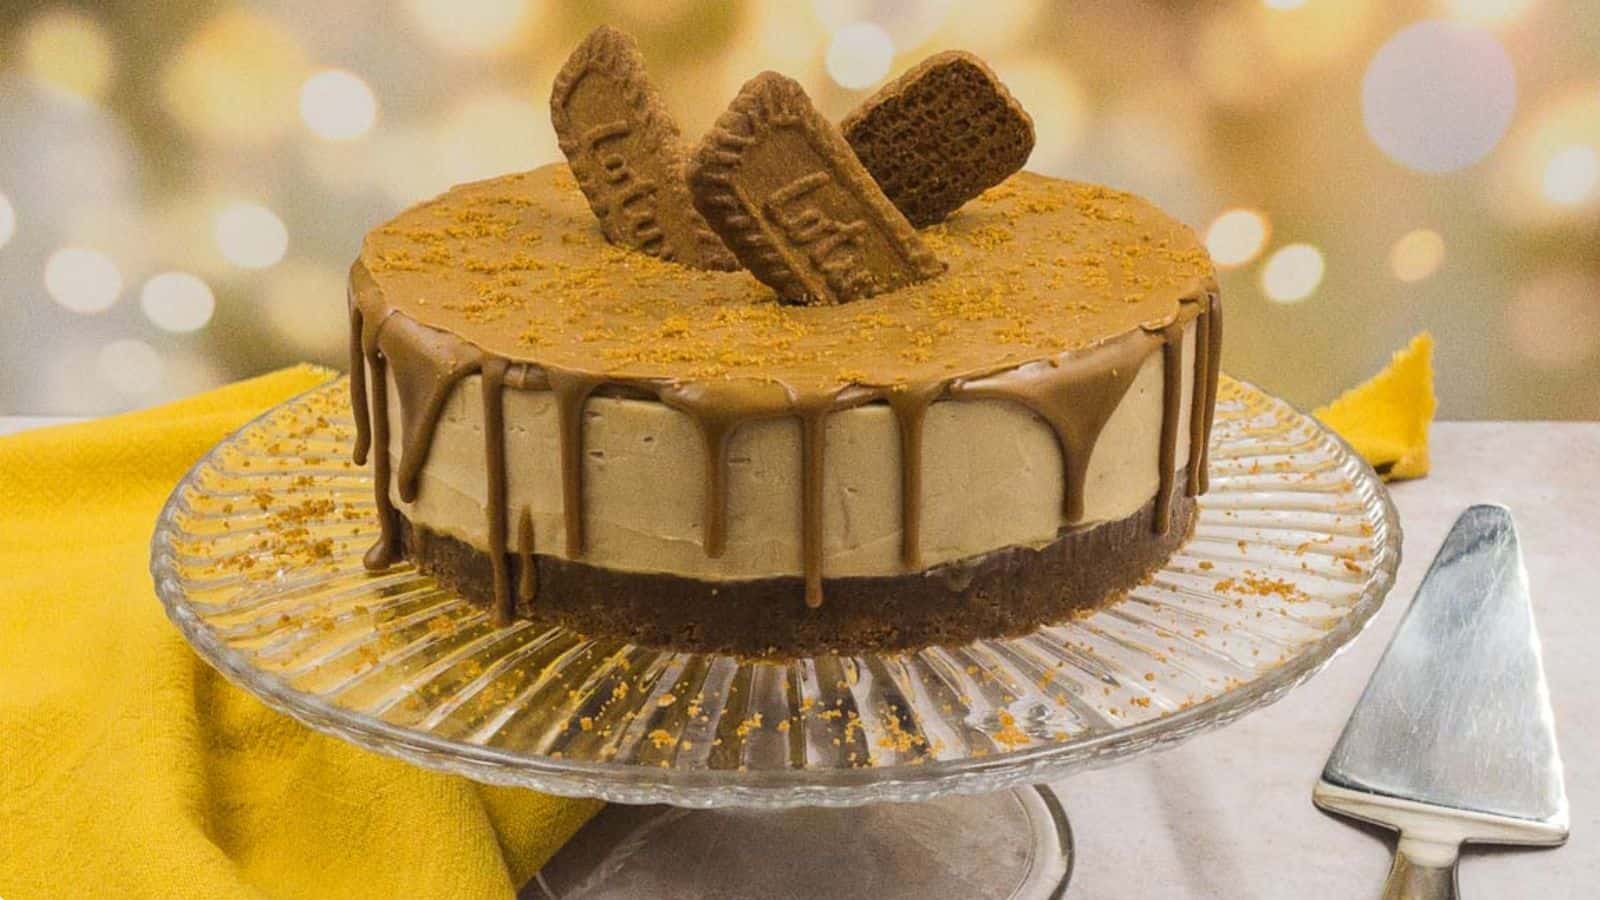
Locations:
column 1453, row 739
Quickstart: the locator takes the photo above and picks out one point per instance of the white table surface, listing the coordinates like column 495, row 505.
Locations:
column 1229, row 814
column 12, row 424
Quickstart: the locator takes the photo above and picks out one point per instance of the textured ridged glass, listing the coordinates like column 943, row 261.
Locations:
column 257, row 557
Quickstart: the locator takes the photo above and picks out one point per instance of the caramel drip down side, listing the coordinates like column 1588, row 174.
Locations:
column 813, row 409
column 372, row 429
column 425, row 364
column 430, row 362
column 910, row 406
column 718, row 410
column 358, row 386
column 1197, row 400
column 383, row 553
column 494, row 446
column 813, row 440
column 1213, row 373
column 716, row 434
column 1075, row 395
column 527, row 571
column 1171, row 396
column 571, row 394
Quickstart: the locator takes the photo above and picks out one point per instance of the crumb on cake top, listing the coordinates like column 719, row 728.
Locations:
column 1037, row 266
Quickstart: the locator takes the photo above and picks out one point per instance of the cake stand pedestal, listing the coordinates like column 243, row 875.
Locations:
column 873, row 775
column 1010, row 844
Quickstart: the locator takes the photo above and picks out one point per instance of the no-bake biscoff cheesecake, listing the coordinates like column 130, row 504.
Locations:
column 869, row 437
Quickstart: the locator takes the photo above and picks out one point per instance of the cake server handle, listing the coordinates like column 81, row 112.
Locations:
column 1423, row 870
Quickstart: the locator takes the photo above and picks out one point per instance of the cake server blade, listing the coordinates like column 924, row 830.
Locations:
column 1457, row 713
column 1454, row 738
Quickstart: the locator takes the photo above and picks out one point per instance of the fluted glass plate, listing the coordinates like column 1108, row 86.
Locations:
column 257, row 557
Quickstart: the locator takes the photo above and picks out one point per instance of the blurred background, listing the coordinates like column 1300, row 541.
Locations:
column 184, row 182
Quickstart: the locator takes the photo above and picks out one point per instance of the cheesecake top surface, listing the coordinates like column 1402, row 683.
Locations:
column 1038, row 267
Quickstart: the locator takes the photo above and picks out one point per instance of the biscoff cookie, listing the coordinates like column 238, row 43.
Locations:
column 781, row 186
column 627, row 154
column 940, row 135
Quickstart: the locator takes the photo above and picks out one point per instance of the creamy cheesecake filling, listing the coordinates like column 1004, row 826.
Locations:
column 991, row 477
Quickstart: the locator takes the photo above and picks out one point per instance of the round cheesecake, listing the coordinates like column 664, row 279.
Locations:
column 573, row 433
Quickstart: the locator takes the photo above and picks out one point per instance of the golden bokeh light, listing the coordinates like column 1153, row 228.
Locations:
column 337, row 105
column 8, row 220
column 917, row 21
column 1312, row 33
column 68, row 50
column 302, row 308
column 155, row 158
column 69, row 381
column 1292, row 273
column 1542, row 179
column 472, row 26
column 785, row 38
column 405, row 163
column 1554, row 320
column 1571, row 175
column 1231, row 62
column 177, row 302
column 988, row 27
column 1438, row 96
column 188, row 372
column 181, row 231
column 250, row 236
column 130, row 367
column 237, row 79
column 859, row 55
column 835, row 14
column 1236, row 237
column 910, row 23
column 82, row 280
column 1152, row 140
column 1487, row 12
column 1041, row 83
column 493, row 134
column 1416, row 255
column 643, row 15
column 114, row 230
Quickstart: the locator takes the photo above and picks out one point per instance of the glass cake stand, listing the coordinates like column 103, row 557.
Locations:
column 883, row 775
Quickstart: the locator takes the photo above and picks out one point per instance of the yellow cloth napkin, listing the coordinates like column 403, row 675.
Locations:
column 1386, row 418
column 129, row 768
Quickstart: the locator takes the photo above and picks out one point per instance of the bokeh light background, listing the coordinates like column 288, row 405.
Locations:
column 183, row 182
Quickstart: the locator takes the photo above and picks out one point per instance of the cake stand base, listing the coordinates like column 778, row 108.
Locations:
column 1013, row 844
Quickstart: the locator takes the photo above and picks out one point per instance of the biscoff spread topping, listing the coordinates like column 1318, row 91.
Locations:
column 1036, row 266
